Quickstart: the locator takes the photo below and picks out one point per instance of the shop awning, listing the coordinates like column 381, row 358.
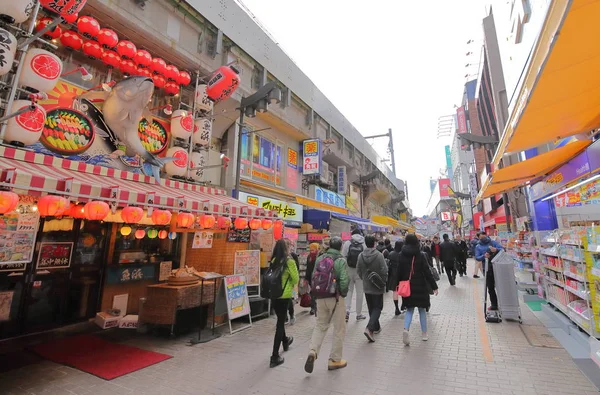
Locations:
column 311, row 203
column 521, row 173
column 361, row 223
column 36, row 174
column 320, row 219
column 389, row 221
column 560, row 94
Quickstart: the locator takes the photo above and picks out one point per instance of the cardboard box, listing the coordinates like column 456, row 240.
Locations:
column 105, row 320
column 129, row 322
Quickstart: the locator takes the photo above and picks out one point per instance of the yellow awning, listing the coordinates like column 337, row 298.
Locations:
column 389, row 221
column 521, row 173
column 320, row 205
column 560, row 94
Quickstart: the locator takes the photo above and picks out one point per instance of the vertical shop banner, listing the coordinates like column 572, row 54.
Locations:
column 444, row 183
column 461, row 119
column 311, row 157
column 473, row 187
column 236, row 294
column 341, row 180
column 292, row 170
column 203, row 239
column 449, row 162
column 55, row 255
column 247, row 264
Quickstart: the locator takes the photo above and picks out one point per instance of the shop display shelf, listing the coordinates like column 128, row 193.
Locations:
column 525, row 269
column 554, row 268
column 558, row 305
column 573, row 258
column 555, row 282
column 577, row 292
column 549, row 252
column 579, row 319
column 574, row 276
column 571, row 242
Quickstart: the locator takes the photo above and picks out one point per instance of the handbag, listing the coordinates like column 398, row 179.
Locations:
column 376, row 280
column 403, row 289
column 305, row 300
column 434, row 273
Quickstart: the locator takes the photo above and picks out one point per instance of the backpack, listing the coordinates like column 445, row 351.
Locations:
column 323, row 278
column 271, row 286
column 353, row 252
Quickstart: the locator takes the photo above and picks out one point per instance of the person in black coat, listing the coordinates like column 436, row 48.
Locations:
column 427, row 251
column 393, row 272
column 461, row 255
column 448, row 252
column 413, row 266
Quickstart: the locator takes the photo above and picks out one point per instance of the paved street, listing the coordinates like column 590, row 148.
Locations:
column 463, row 356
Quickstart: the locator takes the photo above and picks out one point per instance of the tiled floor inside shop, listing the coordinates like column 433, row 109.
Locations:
column 464, row 355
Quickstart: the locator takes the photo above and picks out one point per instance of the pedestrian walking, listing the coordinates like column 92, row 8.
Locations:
column 313, row 249
column 478, row 263
column 462, row 250
column 448, row 257
column 394, row 274
column 436, row 253
column 427, row 251
column 291, row 319
column 373, row 270
column 330, row 286
column 351, row 250
column 282, row 263
column 388, row 248
column 414, row 268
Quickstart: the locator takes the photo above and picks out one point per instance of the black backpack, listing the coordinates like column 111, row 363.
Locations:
column 270, row 282
column 353, row 252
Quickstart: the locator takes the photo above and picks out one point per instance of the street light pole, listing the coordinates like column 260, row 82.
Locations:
column 238, row 170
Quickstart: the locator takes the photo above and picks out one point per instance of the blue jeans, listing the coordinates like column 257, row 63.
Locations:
column 422, row 317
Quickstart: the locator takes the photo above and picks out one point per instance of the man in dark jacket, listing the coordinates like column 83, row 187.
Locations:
column 462, row 251
column 448, row 257
column 373, row 270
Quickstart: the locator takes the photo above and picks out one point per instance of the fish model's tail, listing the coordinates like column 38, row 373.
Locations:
column 157, row 164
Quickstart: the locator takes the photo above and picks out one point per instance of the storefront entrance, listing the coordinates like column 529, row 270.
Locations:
column 62, row 283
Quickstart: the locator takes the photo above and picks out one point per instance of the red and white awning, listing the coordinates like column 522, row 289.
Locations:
column 37, row 174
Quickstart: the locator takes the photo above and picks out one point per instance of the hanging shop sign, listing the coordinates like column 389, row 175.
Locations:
column 326, row 196
column 54, row 255
column 247, row 264
column 446, row 216
column 203, row 239
column 292, row 170
column 291, row 213
column 317, row 236
column 311, row 157
column 444, row 183
column 461, row 119
column 238, row 235
column 341, row 180
column 449, row 162
column 473, row 188
column 129, row 273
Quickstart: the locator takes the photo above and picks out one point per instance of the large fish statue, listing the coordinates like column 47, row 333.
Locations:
column 123, row 109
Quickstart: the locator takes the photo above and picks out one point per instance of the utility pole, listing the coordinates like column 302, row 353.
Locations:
column 390, row 147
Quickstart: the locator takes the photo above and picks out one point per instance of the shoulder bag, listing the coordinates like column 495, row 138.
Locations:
column 403, row 289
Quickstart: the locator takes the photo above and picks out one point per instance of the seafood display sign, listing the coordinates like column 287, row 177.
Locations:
column 236, row 294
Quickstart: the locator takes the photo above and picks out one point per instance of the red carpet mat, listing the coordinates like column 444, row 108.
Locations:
column 98, row 357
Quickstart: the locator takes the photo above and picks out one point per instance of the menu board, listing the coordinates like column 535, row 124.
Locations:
column 236, row 293
column 247, row 264
column 238, row 235
column 17, row 240
column 203, row 239
column 55, row 255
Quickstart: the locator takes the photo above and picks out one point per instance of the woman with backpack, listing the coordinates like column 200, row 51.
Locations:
column 393, row 272
column 414, row 268
column 283, row 265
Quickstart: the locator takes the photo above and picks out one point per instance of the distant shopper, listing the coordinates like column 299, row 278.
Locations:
column 351, row 250
column 448, row 257
column 394, row 273
column 292, row 318
column 414, row 268
column 462, row 251
column 388, row 248
column 487, row 249
column 427, row 251
column 436, row 253
column 373, row 270
column 330, row 286
column 478, row 264
column 289, row 278
column 310, row 267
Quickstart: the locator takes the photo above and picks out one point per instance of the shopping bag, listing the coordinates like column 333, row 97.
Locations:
column 305, row 300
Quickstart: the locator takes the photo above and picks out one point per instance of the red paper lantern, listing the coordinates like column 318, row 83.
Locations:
column 52, row 205
column 140, row 233
column 126, row 49
column 64, row 8
column 207, row 221
column 8, row 201
column 185, row 220
column 162, row 234
column 144, row 72
column 77, row 211
column 184, row 78
column 172, row 73
column 278, row 230
column 158, row 66
column 224, row 223
column 161, row 217
column 72, row 40
column 142, row 58
column 223, row 83
column 111, row 59
column 88, row 26
column 132, row 215
column 50, row 34
column 254, row 223
column 70, row 19
column 266, row 224
column 159, row 81
column 108, row 38
column 241, row 223
column 171, row 88
column 92, row 49
column 127, row 67
column 96, row 210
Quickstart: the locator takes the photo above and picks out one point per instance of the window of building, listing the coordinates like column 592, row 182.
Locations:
column 262, row 159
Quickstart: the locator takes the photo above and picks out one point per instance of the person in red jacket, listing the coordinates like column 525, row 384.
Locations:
column 436, row 252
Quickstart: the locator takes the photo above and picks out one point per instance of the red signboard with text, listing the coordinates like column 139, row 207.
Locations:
column 444, row 183
column 461, row 119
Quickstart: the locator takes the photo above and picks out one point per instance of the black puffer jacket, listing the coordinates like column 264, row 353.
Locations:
column 421, row 276
column 393, row 273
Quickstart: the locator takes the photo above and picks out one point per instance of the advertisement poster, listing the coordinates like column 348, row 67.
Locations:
column 311, row 157
column 54, row 255
column 203, row 239
column 236, row 294
column 17, row 240
column 444, row 184
column 247, row 264
column 5, row 305
column 582, row 196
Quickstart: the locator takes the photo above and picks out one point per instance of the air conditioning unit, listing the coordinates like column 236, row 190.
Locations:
column 330, row 179
column 324, row 177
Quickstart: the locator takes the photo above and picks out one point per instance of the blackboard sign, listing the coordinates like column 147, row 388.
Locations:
column 238, row 235
column 54, row 255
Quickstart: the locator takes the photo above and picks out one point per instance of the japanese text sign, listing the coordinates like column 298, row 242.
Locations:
column 341, row 180
column 311, row 150
column 54, row 255
column 291, row 213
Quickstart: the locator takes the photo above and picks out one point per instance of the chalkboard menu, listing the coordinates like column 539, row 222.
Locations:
column 238, row 235
column 54, row 255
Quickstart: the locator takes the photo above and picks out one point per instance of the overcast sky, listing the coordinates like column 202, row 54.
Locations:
column 385, row 64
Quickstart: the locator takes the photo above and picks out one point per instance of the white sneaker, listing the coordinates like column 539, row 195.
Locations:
column 425, row 337
column 405, row 338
